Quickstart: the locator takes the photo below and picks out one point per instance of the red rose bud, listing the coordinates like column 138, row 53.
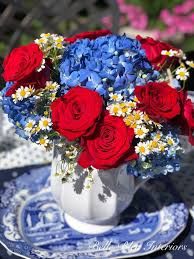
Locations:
column 88, row 35
column 153, row 49
column 158, row 100
column 77, row 113
column 22, row 62
column 110, row 145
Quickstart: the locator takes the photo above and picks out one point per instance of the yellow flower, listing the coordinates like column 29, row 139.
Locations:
column 46, row 113
column 170, row 141
column 162, row 147
column 129, row 120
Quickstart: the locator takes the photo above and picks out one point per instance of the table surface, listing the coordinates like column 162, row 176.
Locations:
column 15, row 152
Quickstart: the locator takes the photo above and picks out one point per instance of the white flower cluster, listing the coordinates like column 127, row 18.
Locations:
column 22, row 93
column 51, row 45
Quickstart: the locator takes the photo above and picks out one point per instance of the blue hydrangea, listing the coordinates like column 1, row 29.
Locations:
column 108, row 61
column 18, row 113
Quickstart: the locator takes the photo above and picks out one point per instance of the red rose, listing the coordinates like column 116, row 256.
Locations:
column 158, row 100
column 36, row 79
column 153, row 49
column 21, row 62
column 76, row 113
column 189, row 116
column 189, row 112
column 110, row 146
column 88, row 35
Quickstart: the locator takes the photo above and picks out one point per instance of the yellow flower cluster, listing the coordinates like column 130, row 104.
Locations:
column 51, row 45
column 158, row 143
column 150, row 137
column 132, row 117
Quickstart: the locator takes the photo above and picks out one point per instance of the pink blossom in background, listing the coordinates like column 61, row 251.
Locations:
column 178, row 21
column 184, row 8
column 130, row 14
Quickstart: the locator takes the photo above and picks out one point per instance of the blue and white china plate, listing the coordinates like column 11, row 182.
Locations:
column 32, row 226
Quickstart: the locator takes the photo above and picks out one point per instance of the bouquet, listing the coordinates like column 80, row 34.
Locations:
column 106, row 99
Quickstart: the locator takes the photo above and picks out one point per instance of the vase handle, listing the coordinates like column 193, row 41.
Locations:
column 139, row 182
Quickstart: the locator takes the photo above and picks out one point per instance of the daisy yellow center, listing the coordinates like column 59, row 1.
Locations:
column 137, row 116
column 132, row 105
column 154, row 144
column 162, row 147
column 124, row 109
column 45, row 123
column 115, row 97
column 158, row 136
column 37, row 129
column 122, row 105
column 140, row 132
column 23, row 93
column 46, row 113
column 30, row 125
column 170, row 142
column 42, row 141
column 141, row 149
column 115, row 109
column 181, row 73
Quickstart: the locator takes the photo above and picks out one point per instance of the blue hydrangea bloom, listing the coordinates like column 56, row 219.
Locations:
column 108, row 61
column 18, row 113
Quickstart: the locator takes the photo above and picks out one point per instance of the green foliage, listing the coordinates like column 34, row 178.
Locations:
column 188, row 44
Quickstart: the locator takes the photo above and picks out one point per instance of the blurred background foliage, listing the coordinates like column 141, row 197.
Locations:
column 23, row 20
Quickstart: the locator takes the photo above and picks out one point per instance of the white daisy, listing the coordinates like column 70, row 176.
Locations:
column 138, row 116
column 52, row 86
column 14, row 97
column 190, row 63
column 41, row 41
column 45, row 35
column 182, row 73
column 169, row 53
column 154, row 146
column 43, row 141
column 141, row 132
column 23, row 92
column 45, row 123
column 142, row 148
column 170, row 141
column 29, row 125
column 115, row 97
column 115, row 109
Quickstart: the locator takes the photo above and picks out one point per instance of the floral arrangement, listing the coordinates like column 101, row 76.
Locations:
column 106, row 99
